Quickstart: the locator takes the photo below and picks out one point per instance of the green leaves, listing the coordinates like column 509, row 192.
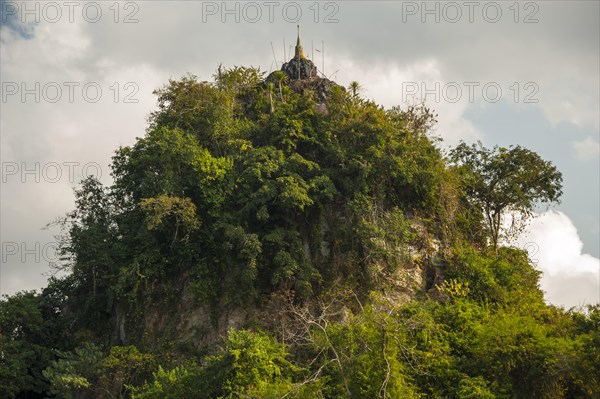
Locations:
column 170, row 162
column 289, row 184
column 88, row 372
column 251, row 365
column 256, row 156
column 240, row 257
column 177, row 383
column 180, row 212
column 26, row 342
column 502, row 180
column 502, row 278
column 75, row 372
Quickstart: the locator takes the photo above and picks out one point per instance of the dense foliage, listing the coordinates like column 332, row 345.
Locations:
column 501, row 181
column 362, row 261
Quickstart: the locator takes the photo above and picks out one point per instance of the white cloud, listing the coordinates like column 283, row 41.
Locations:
column 567, row 100
column 587, row 149
column 80, row 133
column 392, row 85
column 570, row 277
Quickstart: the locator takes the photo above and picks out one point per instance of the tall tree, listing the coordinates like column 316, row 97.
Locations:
column 504, row 180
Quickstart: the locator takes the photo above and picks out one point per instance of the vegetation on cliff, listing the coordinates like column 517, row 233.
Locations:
column 259, row 242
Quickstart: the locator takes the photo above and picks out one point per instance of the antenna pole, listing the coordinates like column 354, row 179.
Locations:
column 323, row 57
column 274, row 57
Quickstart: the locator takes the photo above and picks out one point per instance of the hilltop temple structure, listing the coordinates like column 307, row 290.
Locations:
column 299, row 67
column 303, row 75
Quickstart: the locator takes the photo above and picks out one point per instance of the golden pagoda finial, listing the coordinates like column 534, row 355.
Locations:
column 299, row 52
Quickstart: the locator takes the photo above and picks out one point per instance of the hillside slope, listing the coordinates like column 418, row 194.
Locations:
column 283, row 237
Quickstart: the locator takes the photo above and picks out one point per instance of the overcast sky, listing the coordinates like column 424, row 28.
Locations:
column 77, row 81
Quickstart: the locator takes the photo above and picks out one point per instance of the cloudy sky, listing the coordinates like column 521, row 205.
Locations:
column 77, row 81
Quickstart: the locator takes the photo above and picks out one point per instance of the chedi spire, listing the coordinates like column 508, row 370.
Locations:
column 299, row 52
column 299, row 67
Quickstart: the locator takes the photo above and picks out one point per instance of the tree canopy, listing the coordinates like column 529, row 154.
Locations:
column 258, row 242
column 504, row 180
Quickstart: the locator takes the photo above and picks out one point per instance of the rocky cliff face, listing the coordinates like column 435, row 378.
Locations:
column 300, row 68
column 186, row 323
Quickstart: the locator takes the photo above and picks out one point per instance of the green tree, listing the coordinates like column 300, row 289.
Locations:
column 281, row 78
column 181, row 382
column 87, row 251
column 88, row 372
column 23, row 345
column 32, row 327
column 251, row 365
column 355, row 88
column 75, row 373
column 178, row 211
column 506, row 180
